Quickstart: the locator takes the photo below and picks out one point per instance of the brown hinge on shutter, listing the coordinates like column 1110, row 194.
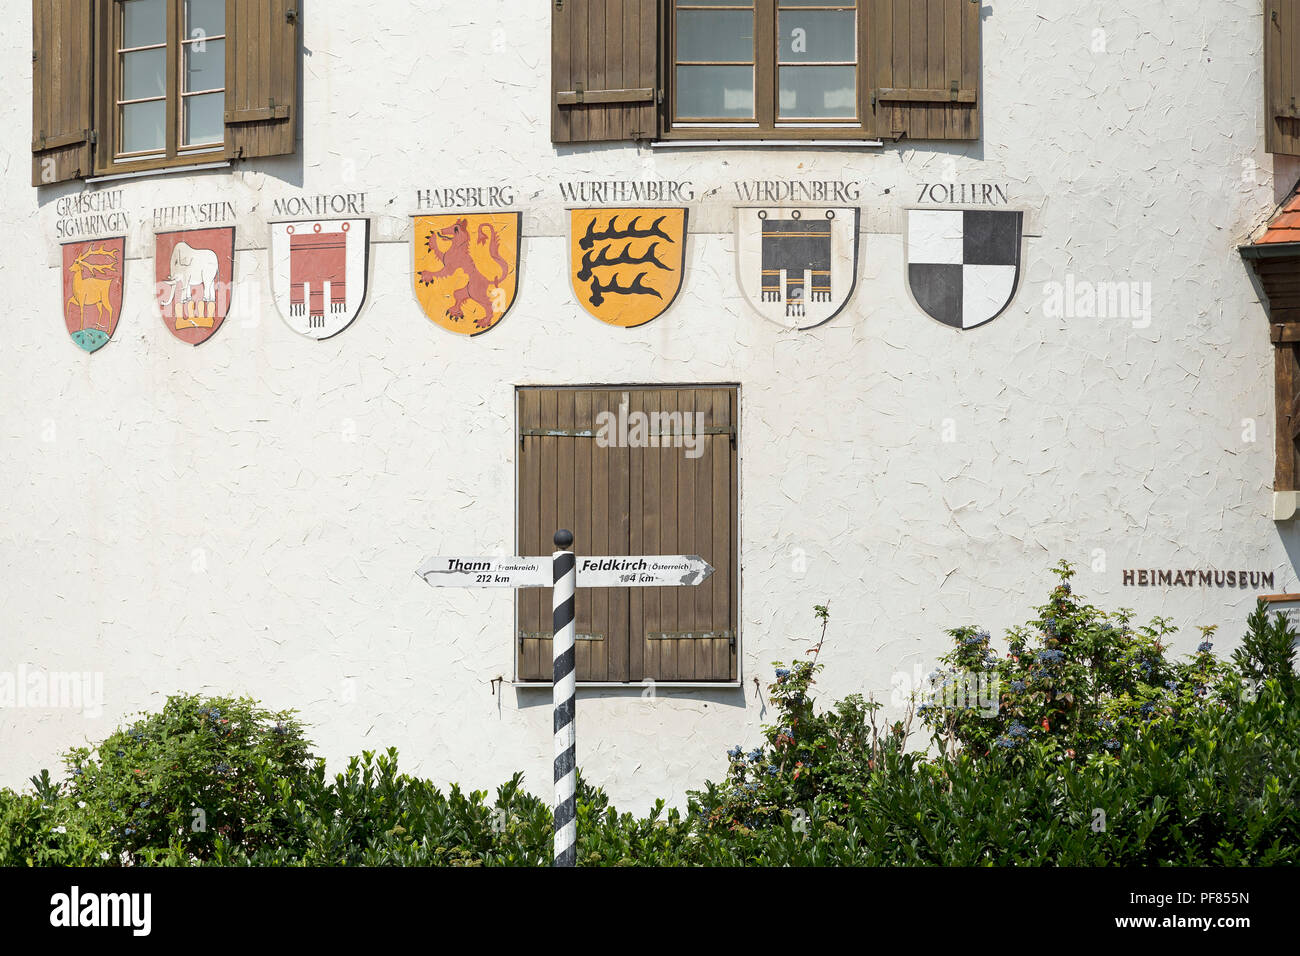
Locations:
column 268, row 112
column 580, row 96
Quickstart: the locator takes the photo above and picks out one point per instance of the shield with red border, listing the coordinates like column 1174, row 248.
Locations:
column 194, row 272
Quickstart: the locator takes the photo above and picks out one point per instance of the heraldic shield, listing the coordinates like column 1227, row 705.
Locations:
column 626, row 265
column 193, row 271
column 467, row 268
column 92, row 290
column 963, row 265
column 797, row 267
column 318, row 273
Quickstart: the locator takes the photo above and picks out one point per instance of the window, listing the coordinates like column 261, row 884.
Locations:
column 725, row 73
column 133, row 85
column 161, row 111
column 765, row 69
column 637, row 470
column 1281, row 79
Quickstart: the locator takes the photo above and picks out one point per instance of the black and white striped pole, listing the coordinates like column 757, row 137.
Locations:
column 616, row 571
column 564, row 693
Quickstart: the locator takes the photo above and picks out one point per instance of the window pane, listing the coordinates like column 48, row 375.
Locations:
column 818, row 92
column 204, row 18
column 204, row 119
column 715, row 35
column 142, row 126
column 205, row 65
column 706, row 92
column 144, row 22
column 144, row 74
column 811, row 36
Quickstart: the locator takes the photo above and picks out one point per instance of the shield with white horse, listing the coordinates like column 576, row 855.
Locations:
column 194, row 272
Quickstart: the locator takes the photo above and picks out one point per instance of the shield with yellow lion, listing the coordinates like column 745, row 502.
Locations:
column 467, row 268
column 626, row 265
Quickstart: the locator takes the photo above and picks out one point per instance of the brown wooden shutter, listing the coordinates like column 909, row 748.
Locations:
column 604, row 70
column 1286, row 382
column 923, row 67
column 261, row 76
column 62, row 67
column 684, row 505
column 619, row 500
column 1282, row 77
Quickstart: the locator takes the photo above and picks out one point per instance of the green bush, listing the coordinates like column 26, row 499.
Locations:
column 1110, row 754
column 177, row 782
column 1083, row 680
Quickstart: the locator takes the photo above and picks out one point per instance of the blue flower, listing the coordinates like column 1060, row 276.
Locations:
column 1004, row 742
column 1204, row 647
column 1017, row 685
column 773, row 771
column 1171, row 685
column 755, row 755
column 782, row 673
column 1017, row 729
column 144, row 803
column 129, row 831
column 1112, row 745
column 735, row 752
column 787, row 732
column 1050, row 655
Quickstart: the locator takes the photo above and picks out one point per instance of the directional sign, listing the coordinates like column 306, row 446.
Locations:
column 565, row 572
column 512, row 572
column 652, row 570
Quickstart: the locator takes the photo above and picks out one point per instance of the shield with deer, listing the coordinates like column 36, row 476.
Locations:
column 318, row 273
column 798, row 267
column 92, row 290
column 194, row 272
column 626, row 265
column 466, row 268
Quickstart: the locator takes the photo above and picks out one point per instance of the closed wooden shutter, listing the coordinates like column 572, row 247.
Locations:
column 1282, row 77
column 261, row 76
column 625, row 501
column 923, row 67
column 604, row 70
column 62, row 67
column 1286, row 381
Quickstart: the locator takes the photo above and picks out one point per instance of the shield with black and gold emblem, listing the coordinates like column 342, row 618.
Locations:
column 626, row 264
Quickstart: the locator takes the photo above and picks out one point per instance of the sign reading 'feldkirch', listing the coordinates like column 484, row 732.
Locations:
column 1191, row 578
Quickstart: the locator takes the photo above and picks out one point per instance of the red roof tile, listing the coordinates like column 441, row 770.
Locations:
column 1285, row 226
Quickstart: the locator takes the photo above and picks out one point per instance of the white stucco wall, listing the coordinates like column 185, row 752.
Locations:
column 309, row 479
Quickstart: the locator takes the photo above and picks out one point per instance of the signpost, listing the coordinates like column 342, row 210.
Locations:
column 566, row 574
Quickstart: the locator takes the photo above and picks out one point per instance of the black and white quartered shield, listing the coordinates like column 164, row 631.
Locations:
column 963, row 265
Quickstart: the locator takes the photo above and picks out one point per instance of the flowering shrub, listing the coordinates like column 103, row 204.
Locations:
column 1081, row 681
column 178, row 780
column 811, row 757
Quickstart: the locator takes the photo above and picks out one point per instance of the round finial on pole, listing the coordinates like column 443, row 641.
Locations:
column 564, row 539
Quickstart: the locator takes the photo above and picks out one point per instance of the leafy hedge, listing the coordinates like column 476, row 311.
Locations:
column 1098, row 750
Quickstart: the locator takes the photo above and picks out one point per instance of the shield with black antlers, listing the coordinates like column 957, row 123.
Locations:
column 626, row 264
